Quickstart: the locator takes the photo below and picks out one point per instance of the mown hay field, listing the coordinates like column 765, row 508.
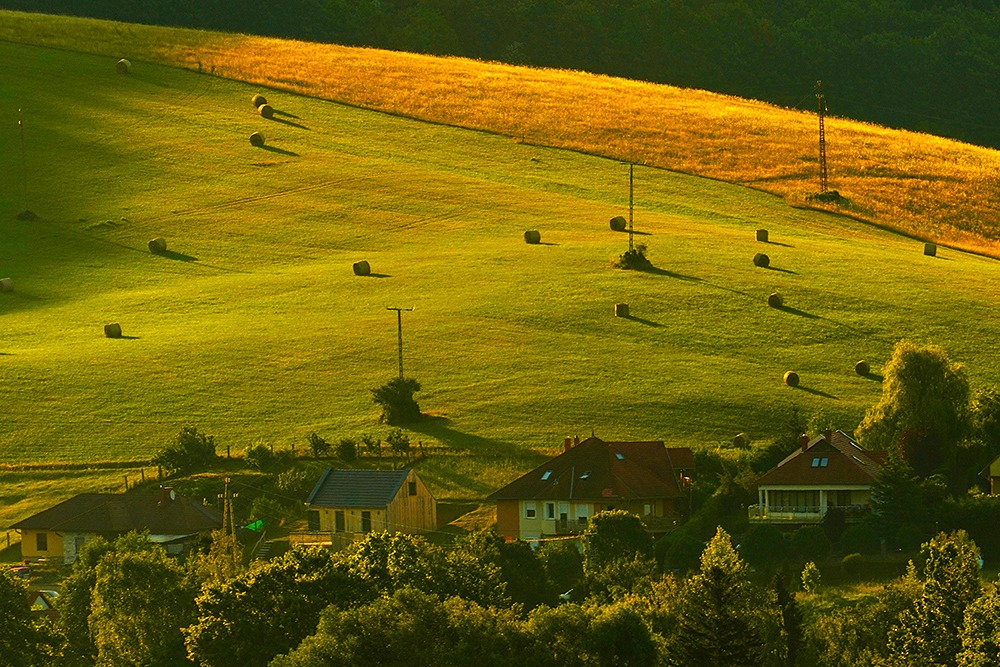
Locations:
column 253, row 327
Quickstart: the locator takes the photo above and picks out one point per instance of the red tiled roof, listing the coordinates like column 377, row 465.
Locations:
column 120, row 513
column 597, row 470
column 846, row 464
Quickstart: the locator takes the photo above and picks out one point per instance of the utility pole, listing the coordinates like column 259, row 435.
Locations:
column 630, row 182
column 24, row 161
column 821, row 112
column 399, row 329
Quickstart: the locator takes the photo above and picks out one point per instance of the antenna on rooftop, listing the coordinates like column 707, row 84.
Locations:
column 821, row 112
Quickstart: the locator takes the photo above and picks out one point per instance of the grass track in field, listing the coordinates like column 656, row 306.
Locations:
column 254, row 327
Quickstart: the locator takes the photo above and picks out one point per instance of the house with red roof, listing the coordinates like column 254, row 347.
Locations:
column 558, row 497
column 827, row 471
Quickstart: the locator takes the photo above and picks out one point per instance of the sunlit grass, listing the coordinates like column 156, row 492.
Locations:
column 926, row 186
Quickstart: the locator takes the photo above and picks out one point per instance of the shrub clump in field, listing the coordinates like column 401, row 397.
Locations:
column 635, row 259
column 395, row 398
column 191, row 450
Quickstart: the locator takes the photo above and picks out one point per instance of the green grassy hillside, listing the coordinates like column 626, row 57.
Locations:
column 253, row 327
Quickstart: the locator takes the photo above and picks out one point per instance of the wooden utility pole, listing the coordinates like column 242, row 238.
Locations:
column 821, row 112
column 630, row 183
column 399, row 330
column 24, row 161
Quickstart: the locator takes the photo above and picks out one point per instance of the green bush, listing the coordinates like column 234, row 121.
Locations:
column 860, row 538
column 318, row 445
column 347, row 450
column 811, row 543
column 851, row 566
column 395, row 398
column 259, row 457
column 191, row 450
column 811, row 579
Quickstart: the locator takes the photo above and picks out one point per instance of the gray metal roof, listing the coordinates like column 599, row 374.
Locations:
column 357, row 488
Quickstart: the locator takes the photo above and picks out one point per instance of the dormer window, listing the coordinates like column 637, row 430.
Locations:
column 546, row 475
column 585, row 475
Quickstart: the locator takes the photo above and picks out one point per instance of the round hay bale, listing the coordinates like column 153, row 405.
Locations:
column 621, row 310
column 761, row 260
column 775, row 300
column 113, row 330
column 257, row 139
column 362, row 268
column 6, row 285
column 532, row 236
column 618, row 223
column 862, row 368
column 123, row 67
column 761, row 235
column 158, row 245
column 258, row 100
column 265, row 110
column 930, row 249
column 791, row 378
column 740, row 440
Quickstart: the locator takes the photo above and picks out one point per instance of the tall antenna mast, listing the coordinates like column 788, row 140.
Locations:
column 399, row 328
column 821, row 112
column 630, row 165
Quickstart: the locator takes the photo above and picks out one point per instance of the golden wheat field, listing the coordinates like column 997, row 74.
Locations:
column 929, row 187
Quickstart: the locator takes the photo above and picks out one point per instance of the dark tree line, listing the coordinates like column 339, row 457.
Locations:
column 922, row 65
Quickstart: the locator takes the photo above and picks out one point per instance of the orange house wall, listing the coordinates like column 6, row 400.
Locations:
column 508, row 517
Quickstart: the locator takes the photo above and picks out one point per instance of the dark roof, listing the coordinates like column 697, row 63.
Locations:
column 846, row 463
column 122, row 512
column 357, row 488
column 595, row 470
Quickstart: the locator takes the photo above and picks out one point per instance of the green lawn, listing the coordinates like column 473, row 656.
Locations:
column 253, row 327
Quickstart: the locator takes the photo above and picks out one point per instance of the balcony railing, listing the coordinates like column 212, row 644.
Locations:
column 803, row 513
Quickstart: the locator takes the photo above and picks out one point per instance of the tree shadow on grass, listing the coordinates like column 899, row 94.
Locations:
column 282, row 151
column 439, row 428
column 648, row 323
column 816, row 392
column 800, row 313
column 180, row 257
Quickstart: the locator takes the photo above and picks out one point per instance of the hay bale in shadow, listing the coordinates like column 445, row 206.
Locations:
column 266, row 111
column 532, row 236
column 761, row 260
column 258, row 100
column 158, row 245
column 123, row 67
column 740, row 440
column 791, row 379
column 362, row 268
column 257, row 139
column 775, row 300
column 6, row 285
column 618, row 223
column 761, row 235
column 113, row 330
column 621, row 310
column 930, row 249
column 862, row 368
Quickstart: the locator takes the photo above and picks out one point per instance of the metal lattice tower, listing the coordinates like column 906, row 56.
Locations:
column 821, row 112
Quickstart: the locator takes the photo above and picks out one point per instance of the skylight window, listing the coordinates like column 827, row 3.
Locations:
column 546, row 475
column 619, row 456
column 820, row 462
column 585, row 475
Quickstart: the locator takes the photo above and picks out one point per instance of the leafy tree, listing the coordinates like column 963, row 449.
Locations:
column 518, row 564
column 563, row 564
column 259, row 456
column 614, row 535
column 811, row 578
column 247, row 621
column 74, row 604
column 318, row 446
column 860, row 538
column 19, row 640
column 399, row 442
column 981, row 633
column 347, row 450
column 191, row 450
column 791, row 620
column 721, row 619
column 811, row 542
column 576, row 635
column 371, row 445
column 395, row 398
column 764, row 546
column 925, row 397
column 140, row 603
column 930, row 632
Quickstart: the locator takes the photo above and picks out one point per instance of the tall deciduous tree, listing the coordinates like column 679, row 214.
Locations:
column 981, row 633
column 614, row 535
column 18, row 637
column 722, row 619
column 924, row 407
column 929, row 634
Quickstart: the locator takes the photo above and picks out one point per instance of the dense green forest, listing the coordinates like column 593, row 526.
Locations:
column 925, row 65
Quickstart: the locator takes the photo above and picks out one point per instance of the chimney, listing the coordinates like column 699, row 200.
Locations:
column 576, row 441
column 804, row 441
column 569, row 444
column 828, row 435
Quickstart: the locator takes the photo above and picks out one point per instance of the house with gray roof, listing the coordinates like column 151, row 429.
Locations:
column 347, row 504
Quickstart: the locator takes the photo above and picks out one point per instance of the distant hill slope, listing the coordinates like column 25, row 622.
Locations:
column 253, row 327
column 928, row 187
